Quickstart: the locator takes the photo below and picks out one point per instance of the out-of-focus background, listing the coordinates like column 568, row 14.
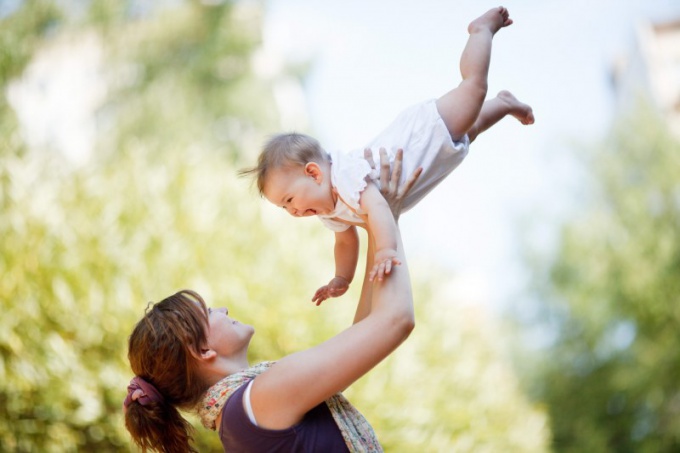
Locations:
column 546, row 268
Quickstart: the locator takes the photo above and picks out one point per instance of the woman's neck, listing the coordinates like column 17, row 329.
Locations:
column 222, row 368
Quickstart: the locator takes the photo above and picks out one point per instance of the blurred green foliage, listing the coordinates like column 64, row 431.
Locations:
column 450, row 387
column 158, row 207
column 610, row 378
column 22, row 33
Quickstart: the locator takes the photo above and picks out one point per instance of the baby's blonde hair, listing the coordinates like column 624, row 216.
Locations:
column 285, row 150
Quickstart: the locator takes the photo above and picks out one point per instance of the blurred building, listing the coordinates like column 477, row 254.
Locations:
column 651, row 71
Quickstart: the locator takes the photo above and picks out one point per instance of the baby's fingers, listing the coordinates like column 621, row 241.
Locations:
column 320, row 299
column 388, row 267
column 319, row 294
column 381, row 270
column 373, row 273
column 390, row 263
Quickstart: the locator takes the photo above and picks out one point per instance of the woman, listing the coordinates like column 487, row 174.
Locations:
column 187, row 356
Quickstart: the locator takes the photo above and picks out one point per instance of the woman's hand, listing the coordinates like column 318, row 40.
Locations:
column 389, row 179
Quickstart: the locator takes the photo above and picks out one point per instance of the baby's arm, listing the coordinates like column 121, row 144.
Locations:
column 394, row 193
column 383, row 228
column 346, row 257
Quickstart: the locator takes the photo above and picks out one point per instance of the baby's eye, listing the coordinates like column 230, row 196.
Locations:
column 289, row 200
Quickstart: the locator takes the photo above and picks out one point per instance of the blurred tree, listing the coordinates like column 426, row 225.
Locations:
column 156, row 208
column 80, row 243
column 613, row 293
column 22, row 32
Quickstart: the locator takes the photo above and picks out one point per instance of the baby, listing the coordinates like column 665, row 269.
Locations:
column 295, row 173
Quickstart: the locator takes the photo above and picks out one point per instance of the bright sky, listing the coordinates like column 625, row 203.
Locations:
column 372, row 59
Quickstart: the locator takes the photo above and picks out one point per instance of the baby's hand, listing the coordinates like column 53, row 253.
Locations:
column 335, row 288
column 382, row 263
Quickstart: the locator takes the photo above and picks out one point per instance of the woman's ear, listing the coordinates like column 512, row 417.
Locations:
column 204, row 354
column 312, row 169
column 208, row 354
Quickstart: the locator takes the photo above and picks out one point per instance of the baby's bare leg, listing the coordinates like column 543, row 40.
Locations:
column 460, row 107
column 494, row 110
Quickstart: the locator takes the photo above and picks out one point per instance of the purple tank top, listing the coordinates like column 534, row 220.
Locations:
column 316, row 432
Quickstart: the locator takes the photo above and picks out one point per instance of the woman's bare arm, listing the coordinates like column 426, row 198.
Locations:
column 364, row 305
column 282, row 395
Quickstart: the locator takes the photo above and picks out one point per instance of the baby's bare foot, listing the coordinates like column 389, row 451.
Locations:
column 523, row 112
column 492, row 20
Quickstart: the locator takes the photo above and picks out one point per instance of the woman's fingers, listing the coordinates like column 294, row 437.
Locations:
column 396, row 170
column 368, row 155
column 384, row 168
column 410, row 181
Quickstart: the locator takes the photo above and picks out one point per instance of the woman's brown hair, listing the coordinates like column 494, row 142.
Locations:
column 162, row 350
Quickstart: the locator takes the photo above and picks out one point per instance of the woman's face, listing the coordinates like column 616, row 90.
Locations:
column 227, row 336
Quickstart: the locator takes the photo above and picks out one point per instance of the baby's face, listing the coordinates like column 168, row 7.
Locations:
column 302, row 191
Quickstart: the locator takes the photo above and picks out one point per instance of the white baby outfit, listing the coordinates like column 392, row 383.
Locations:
column 422, row 134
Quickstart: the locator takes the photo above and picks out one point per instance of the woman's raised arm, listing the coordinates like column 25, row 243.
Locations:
column 283, row 394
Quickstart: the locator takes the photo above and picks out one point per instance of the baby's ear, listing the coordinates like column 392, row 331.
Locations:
column 312, row 169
